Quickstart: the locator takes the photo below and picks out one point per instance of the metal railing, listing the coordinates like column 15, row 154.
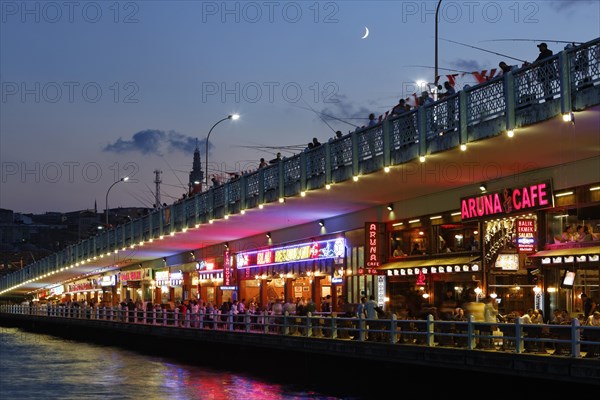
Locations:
column 570, row 340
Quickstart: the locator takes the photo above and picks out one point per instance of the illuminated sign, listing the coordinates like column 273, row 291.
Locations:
column 205, row 265
column 162, row 278
column 323, row 249
column 132, row 275
column 108, row 280
column 80, row 287
column 227, row 270
column 57, row 290
column 336, row 281
column 508, row 261
column 293, row 254
column 507, row 201
column 264, row 257
column 241, row 260
column 420, row 278
column 372, row 244
column 228, row 287
column 176, row 278
column 381, row 290
column 526, row 235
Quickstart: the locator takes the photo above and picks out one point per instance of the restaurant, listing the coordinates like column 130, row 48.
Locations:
column 307, row 270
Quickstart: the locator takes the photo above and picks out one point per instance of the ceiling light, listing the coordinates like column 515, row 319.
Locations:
column 390, row 207
column 483, row 187
column 268, row 235
column 563, row 194
column 321, row 222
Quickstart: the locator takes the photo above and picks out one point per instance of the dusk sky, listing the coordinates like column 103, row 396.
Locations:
column 94, row 91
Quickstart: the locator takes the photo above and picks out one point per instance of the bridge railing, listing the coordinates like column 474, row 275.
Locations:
column 571, row 340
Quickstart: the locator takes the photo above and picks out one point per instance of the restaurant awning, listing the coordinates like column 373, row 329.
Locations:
column 568, row 255
column 566, row 252
column 430, row 262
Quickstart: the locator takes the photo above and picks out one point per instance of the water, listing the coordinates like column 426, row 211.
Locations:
column 36, row 366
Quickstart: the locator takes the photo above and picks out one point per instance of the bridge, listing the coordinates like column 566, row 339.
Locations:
column 539, row 116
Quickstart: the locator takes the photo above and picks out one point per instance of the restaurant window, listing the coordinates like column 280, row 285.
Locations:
column 409, row 241
column 562, row 225
column 456, row 237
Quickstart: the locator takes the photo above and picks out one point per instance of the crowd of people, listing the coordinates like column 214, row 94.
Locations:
column 439, row 92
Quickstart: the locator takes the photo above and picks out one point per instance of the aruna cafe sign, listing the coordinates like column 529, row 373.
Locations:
column 507, row 201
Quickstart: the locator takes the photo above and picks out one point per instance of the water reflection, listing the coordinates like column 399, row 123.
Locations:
column 42, row 366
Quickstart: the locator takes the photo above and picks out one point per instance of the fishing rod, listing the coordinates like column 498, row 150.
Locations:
column 479, row 48
column 442, row 69
column 332, row 117
column 320, row 117
column 291, row 147
column 531, row 40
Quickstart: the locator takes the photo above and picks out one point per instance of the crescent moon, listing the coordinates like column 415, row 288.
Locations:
column 366, row 33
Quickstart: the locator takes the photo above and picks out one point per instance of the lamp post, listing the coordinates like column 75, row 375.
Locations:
column 124, row 179
column 232, row 117
column 437, row 9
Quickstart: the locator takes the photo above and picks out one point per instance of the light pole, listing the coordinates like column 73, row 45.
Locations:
column 437, row 9
column 232, row 117
column 125, row 179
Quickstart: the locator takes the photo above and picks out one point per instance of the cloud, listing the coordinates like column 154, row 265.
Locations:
column 346, row 110
column 467, row 65
column 153, row 141
column 563, row 5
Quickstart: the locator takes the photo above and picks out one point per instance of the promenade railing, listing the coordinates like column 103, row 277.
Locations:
column 564, row 340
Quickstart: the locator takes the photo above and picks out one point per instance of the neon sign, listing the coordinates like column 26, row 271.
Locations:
column 322, row 249
column 526, row 235
column 131, row 275
column 264, row 257
column 509, row 200
column 372, row 244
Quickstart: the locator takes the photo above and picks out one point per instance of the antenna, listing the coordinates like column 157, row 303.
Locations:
column 157, row 182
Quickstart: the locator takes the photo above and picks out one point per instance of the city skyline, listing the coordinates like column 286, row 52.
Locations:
column 93, row 92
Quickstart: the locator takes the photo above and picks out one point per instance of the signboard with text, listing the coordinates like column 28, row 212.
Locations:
column 315, row 250
column 372, row 245
column 509, row 200
column 526, row 234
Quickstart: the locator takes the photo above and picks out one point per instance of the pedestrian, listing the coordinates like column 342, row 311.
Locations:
column 399, row 108
column 372, row 121
column 506, row 68
column 276, row 159
column 546, row 72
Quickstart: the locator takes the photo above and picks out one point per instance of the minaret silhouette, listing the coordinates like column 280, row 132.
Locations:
column 196, row 175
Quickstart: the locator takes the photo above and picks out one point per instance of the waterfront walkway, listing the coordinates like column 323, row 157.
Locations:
column 558, row 352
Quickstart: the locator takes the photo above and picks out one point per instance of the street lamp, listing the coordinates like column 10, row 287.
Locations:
column 232, row 117
column 125, row 179
column 437, row 9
